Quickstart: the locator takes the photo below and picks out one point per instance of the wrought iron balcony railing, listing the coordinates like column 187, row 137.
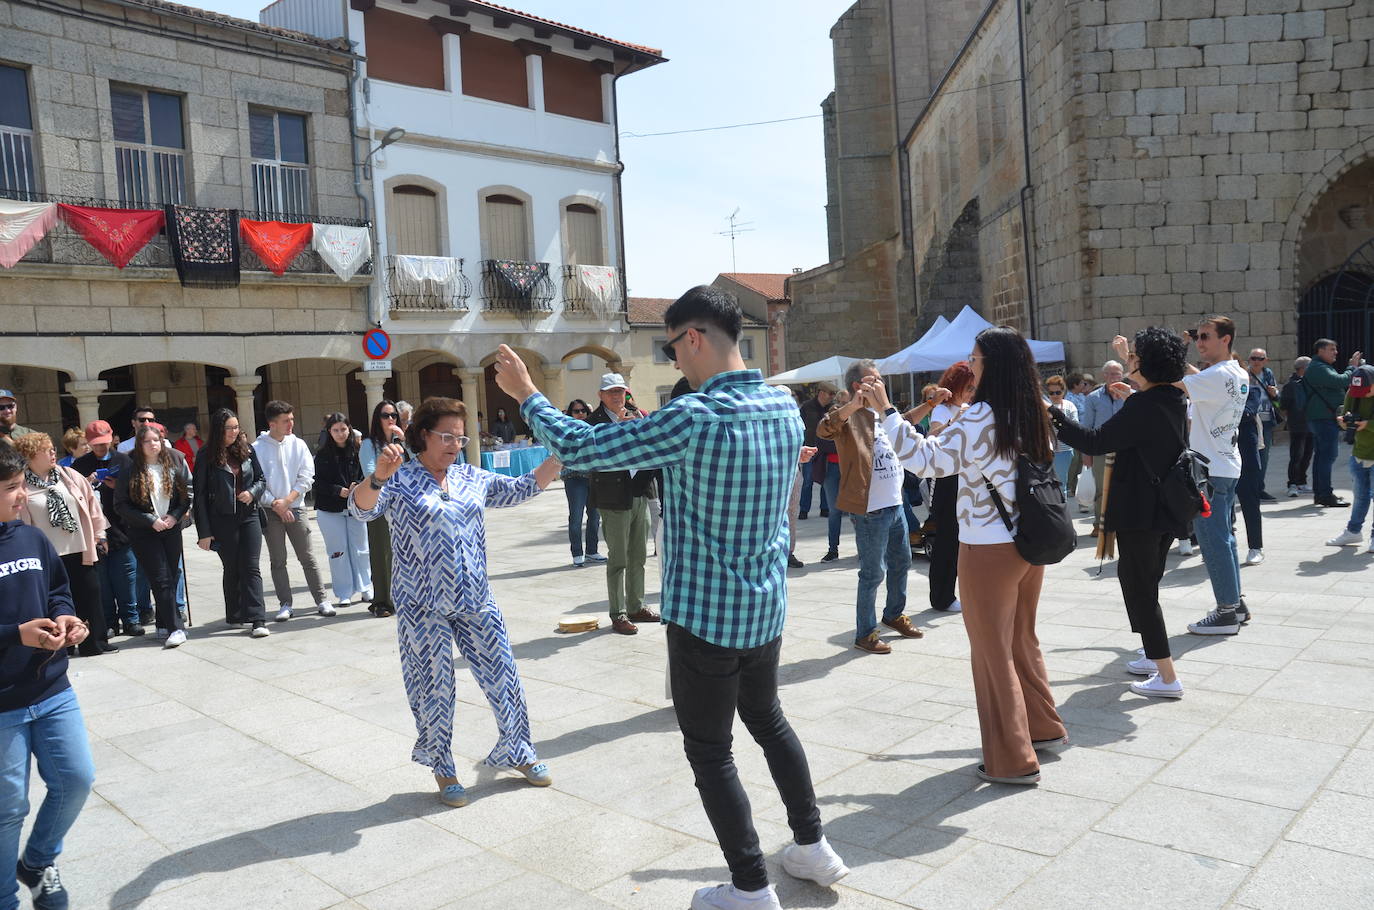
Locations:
column 593, row 291
column 426, row 284
column 511, row 286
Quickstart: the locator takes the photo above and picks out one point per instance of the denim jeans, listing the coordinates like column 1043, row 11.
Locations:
column 1363, row 480
column 832, row 492
column 53, row 733
column 1218, row 543
column 884, row 549
column 806, row 483
column 1061, row 467
column 117, row 571
column 710, row 684
column 577, row 489
column 1326, row 442
column 345, row 546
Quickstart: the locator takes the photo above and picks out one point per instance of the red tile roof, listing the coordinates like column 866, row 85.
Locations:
column 480, row 4
column 771, row 285
column 650, row 310
column 205, row 15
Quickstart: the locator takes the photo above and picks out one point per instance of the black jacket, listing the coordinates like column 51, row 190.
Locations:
column 335, row 470
column 812, row 411
column 138, row 518
column 215, row 490
column 1147, row 435
column 616, row 490
column 117, row 535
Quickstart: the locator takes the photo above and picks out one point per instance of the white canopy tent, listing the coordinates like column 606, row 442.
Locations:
column 953, row 343
column 896, row 363
column 830, row 369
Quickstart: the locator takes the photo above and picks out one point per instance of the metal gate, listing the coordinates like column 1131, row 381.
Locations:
column 1341, row 306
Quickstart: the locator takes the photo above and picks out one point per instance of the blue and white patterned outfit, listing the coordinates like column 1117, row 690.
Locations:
column 439, row 586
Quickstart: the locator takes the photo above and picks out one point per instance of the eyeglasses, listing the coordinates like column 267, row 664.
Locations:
column 668, row 350
column 145, row 420
column 448, row 439
column 1258, row 359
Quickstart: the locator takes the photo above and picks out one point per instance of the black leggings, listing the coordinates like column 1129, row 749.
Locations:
column 159, row 553
column 1139, row 567
column 944, row 548
column 85, row 586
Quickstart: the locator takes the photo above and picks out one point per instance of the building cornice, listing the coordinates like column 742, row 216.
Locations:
column 507, row 152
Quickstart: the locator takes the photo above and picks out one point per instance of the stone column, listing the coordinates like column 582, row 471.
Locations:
column 553, row 385
column 87, row 395
column 453, row 63
column 373, row 383
column 534, row 70
column 606, row 69
column 472, row 383
column 243, row 387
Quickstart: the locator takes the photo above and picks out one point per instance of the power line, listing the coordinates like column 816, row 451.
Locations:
column 626, row 134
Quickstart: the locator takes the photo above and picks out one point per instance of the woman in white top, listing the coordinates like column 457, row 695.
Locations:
column 1001, row 591
column 63, row 505
column 944, row 543
column 1056, row 389
column 153, row 497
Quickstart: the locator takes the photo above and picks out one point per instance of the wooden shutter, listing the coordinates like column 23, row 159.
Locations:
column 583, row 243
column 415, row 221
column 506, row 235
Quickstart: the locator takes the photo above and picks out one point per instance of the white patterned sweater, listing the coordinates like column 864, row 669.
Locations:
column 965, row 448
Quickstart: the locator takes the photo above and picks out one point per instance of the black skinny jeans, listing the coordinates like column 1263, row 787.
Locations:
column 238, row 541
column 159, row 554
column 709, row 684
column 1251, row 482
column 1139, row 567
column 1299, row 457
column 944, row 547
column 85, row 587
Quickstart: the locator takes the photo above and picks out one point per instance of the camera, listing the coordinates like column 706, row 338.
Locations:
column 1350, row 418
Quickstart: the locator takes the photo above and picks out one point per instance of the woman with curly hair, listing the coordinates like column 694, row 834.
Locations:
column 229, row 483
column 1147, row 435
column 153, row 497
column 944, row 546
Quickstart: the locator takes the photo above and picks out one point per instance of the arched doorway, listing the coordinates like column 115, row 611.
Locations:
column 1341, row 305
column 1335, row 264
column 440, row 380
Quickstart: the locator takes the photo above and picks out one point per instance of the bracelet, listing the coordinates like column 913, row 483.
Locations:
column 374, row 483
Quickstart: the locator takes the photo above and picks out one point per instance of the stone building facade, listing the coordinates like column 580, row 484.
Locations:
column 1183, row 157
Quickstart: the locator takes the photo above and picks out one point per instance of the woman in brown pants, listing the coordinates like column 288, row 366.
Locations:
column 999, row 590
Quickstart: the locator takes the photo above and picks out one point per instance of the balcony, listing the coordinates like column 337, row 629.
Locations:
column 593, row 291
column 281, row 191
column 426, row 285
column 16, row 162
column 509, row 286
column 149, row 177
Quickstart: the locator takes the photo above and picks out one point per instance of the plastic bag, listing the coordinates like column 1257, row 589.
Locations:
column 1087, row 487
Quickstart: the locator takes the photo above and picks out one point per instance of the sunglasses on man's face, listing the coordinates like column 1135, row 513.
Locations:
column 145, row 420
column 1258, row 359
column 668, row 349
column 579, row 411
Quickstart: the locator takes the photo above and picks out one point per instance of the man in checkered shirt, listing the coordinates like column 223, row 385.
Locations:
column 728, row 454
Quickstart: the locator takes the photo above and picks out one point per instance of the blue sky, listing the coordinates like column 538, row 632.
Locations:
column 730, row 61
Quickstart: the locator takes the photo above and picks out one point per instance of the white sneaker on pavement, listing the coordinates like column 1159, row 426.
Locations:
column 1185, row 547
column 954, row 607
column 727, row 897
column 284, row 613
column 176, row 639
column 260, row 631
column 1142, row 666
column 1293, row 491
column 1370, row 548
column 1345, row 539
column 324, row 608
column 816, row 862
column 1154, row 687
column 1254, row 557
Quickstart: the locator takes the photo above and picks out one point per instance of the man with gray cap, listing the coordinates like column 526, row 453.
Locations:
column 9, row 417
column 622, row 498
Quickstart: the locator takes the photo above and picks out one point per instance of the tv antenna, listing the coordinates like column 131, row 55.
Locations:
column 736, row 228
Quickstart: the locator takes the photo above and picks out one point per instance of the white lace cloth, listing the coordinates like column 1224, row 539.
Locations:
column 344, row 249
column 601, row 284
column 426, row 276
column 23, row 224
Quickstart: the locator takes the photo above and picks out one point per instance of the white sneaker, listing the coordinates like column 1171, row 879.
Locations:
column 1154, row 687
column 954, row 607
column 1345, row 539
column 284, row 613
column 1185, row 547
column 1293, row 491
column 1304, row 488
column 366, row 596
column 175, row 639
column 727, row 897
column 1370, row 548
column 1142, row 666
column 579, row 561
column 325, row 609
column 260, row 632
column 816, row 862
column 1254, row 558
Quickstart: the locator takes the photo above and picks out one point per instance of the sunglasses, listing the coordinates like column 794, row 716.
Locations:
column 668, row 350
column 7, row 406
column 1056, row 391
column 387, row 415
column 578, row 411
column 1258, row 359
column 145, row 420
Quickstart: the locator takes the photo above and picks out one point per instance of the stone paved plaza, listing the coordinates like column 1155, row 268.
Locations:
column 276, row 773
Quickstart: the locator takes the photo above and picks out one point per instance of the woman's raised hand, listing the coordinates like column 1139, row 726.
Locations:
column 389, row 461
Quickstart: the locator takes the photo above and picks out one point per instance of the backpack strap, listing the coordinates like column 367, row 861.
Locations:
column 1001, row 506
column 1326, row 404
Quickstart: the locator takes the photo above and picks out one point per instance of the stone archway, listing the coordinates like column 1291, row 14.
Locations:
column 1333, row 262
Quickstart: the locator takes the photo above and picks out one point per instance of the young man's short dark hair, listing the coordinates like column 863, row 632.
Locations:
column 1224, row 326
column 277, row 408
column 11, row 462
column 705, row 305
column 143, row 409
column 1321, row 344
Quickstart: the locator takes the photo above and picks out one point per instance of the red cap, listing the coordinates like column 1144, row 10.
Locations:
column 98, row 431
column 160, row 428
column 1362, row 382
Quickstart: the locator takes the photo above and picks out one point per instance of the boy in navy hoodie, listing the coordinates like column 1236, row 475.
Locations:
column 39, row 716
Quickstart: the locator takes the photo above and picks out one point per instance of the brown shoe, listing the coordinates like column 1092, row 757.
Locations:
column 622, row 626
column 902, row 624
column 644, row 614
column 873, row 645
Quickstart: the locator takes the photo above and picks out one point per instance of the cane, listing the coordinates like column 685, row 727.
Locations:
column 186, row 581
column 1106, row 540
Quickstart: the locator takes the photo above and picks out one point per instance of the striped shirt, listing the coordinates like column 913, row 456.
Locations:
column 728, row 454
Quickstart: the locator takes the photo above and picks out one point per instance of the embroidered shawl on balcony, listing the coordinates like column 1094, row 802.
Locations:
column 600, row 286
column 277, row 243
column 426, row 276
column 23, row 224
column 519, row 279
column 116, row 234
column 205, row 246
column 344, row 249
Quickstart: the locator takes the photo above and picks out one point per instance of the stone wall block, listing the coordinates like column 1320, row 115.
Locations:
column 1247, row 29
column 1226, row 54
column 1206, row 31
column 1304, row 25
column 1121, row 37
column 1161, row 101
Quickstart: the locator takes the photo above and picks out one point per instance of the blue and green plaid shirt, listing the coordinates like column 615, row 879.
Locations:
column 728, row 455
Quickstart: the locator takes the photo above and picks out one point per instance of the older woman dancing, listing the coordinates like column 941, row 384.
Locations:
column 436, row 509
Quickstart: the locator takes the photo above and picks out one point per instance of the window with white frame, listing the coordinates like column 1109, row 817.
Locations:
column 150, row 146
column 281, row 163
column 746, row 348
column 16, row 133
column 659, row 356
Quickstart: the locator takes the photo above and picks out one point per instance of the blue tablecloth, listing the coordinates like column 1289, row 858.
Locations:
column 522, row 461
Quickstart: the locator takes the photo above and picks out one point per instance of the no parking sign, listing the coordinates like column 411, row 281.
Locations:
column 376, row 344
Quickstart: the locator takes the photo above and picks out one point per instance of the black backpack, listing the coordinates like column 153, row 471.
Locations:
column 1185, row 490
column 1046, row 534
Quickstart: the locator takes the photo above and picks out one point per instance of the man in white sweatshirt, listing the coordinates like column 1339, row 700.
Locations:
column 290, row 470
